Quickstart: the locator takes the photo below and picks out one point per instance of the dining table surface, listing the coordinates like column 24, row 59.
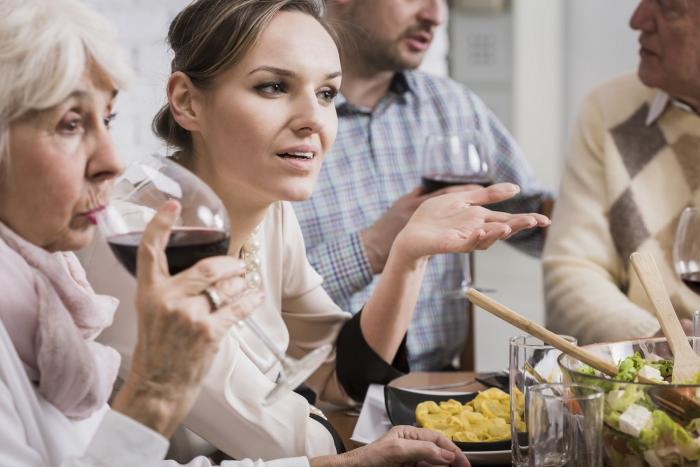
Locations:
column 344, row 420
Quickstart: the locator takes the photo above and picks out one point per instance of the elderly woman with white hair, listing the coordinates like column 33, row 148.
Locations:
column 61, row 71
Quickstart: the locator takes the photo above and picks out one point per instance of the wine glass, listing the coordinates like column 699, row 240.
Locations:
column 458, row 158
column 202, row 230
column 686, row 248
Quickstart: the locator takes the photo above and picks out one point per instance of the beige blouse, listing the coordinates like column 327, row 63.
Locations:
column 297, row 313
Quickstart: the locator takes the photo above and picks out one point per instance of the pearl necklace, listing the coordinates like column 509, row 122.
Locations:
column 251, row 256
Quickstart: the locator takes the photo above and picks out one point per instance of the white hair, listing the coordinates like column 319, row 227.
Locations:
column 45, row 48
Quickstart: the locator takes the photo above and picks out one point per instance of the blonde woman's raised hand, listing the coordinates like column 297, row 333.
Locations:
column 457, row 222
column 181, row 320
column 378, row 238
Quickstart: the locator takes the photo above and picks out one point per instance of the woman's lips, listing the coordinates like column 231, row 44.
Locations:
column 301, row 164
column 91, row 215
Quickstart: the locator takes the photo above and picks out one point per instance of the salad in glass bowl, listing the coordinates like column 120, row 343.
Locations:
column 645, row 424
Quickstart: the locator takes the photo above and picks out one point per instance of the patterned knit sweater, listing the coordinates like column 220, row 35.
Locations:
column 624, row 187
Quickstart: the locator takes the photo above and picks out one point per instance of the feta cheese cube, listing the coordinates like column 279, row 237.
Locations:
column 651, row 373
column 634, row 420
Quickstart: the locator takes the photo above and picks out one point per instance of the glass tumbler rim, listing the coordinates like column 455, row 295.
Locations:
column 512, row 341
column 594, row 391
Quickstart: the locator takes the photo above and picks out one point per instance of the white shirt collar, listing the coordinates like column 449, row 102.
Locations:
column 659, row 104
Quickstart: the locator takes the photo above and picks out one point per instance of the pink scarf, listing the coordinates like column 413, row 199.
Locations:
column 52, row 316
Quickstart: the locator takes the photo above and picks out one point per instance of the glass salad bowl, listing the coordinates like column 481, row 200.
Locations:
column 644, row 424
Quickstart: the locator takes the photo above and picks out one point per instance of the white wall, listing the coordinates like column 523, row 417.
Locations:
column 599, row 45
column 435, row 60
column 142, row 27
column 537, row 83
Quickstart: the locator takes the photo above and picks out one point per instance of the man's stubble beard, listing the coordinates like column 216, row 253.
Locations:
column 386, row 58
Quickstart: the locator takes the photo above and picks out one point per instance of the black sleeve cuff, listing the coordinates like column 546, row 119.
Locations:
column 358, row 365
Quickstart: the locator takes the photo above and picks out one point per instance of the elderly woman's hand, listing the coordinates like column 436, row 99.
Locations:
column 178, row 331
column 401, row 446
column 457, row 223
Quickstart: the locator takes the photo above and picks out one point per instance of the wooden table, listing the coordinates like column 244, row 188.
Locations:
column 344, row 421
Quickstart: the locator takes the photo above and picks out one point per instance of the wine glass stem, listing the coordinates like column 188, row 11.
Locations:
column 696, row 329
column 272, row 347
column 466, row 272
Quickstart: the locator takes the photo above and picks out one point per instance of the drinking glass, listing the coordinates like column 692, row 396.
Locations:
column 565, row 423
column 686, row 248
column 531, row 362
column 456, row 159
column 201, row 231
column 696, row 331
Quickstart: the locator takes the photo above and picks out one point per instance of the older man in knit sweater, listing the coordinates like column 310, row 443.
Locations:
column 634, row 165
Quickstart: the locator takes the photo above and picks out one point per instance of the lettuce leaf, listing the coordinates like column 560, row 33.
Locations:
column 629, row 367
column 666, row 432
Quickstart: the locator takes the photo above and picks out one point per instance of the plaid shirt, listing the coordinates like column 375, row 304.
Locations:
column 374, row 161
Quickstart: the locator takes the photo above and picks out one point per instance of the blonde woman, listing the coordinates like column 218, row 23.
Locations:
column 250, row 110
column 61, row 72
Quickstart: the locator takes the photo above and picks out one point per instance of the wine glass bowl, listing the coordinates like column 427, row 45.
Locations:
column 455, row 159
column 202, row 229
column 686, row 248
column 458, row 158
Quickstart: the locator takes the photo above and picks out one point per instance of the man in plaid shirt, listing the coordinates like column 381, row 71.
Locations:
column 370, row 181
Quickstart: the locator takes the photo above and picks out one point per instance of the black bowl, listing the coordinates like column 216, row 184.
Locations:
column 401, row 409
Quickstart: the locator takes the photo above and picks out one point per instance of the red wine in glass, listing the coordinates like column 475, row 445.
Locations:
column 692, row 280
column 456, row 158
column 438, row 181
column 202, row 231
column 686, row 248
column 186, row 247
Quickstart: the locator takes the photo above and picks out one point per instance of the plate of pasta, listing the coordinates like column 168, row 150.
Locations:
column 475, row 421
